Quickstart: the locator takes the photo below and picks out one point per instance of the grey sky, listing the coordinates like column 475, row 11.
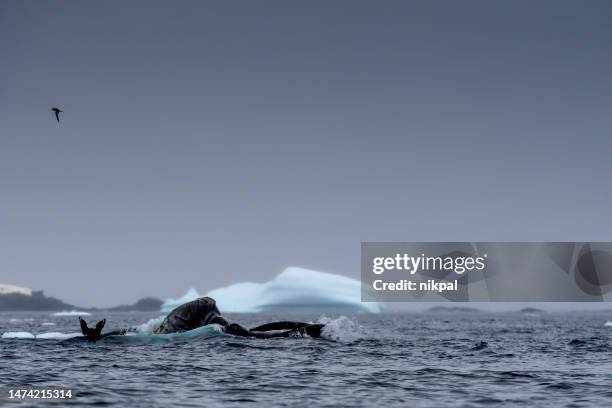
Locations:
column 206, row 143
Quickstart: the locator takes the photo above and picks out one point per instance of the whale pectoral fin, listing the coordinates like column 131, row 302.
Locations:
column 237, row 330
column 120, row 332
column 284, row 325
column 84, row 327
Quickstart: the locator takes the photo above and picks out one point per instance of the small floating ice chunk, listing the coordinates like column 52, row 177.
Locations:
column 57, row 336
column 608, row 324
column 71, row 313
column 42, row 336
column 18, row 335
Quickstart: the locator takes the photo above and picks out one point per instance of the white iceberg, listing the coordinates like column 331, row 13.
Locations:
column 295, row 288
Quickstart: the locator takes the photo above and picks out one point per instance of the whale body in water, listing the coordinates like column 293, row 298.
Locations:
column 202, row 312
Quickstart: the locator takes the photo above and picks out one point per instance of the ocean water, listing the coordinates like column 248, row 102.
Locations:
column 422, row 360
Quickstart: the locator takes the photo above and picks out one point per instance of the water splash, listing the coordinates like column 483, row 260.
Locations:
column 341, row 329
column 149, row 326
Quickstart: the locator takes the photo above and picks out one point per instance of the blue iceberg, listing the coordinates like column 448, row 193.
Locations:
column 293, row 289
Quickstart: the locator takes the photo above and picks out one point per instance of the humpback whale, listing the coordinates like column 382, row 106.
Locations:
column 204, row 311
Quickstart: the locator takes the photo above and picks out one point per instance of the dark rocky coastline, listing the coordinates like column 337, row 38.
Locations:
column 38, row 301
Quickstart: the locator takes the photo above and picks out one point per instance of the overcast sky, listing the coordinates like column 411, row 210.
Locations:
column 207, row 143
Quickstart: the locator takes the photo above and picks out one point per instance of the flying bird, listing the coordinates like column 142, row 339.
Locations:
column 57, row 112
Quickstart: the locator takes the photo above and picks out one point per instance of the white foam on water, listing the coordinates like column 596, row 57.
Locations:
column 293, row 288
column 608, row 324
column 71, row 313
column 47, row 324
column 341, row 329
